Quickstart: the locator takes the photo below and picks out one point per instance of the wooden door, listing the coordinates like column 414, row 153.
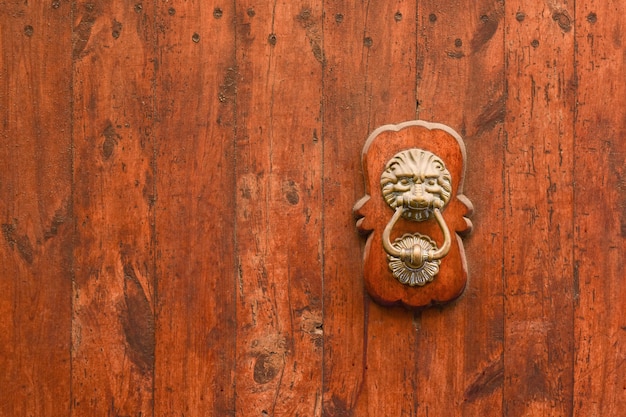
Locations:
column 176, row 189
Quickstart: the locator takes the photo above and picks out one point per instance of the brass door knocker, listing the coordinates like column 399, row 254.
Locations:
column 417, row 185
column 414, row 255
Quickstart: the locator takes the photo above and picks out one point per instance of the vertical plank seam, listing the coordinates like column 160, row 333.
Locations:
column 322, row 213
column 236, row 267
column 575, row 286
column 417, row 315
column 417, row 93
column 71, row 210
column 366, row 299
column 367, row 97
column 271, row 78
column 268, row 195
column 153, row 227
column 505, row 184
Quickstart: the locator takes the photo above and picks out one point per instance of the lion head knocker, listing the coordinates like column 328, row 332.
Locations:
column 417, row 185
column 417, row 180
column 421, row 260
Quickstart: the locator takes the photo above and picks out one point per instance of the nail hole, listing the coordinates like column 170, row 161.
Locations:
column 251, row 12
column 338, row 18
column 28, row 30
column 56, row 4
column 397, row 16
column 432, row 17
column 367, row 41
column 116, row 29
column 592, row 17
column 520, row 16
column 171, row 11
column 138, row 7
column 195, row 38
column 217, row 13
column 458, row 43
column 534, row 43
column 272, row 39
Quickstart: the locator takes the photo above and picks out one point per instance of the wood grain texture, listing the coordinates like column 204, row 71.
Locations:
column 368, row 349
column 195, row 220
column 113, row 303
column 35, row 209
column 461, row 83
column 345, row 333
column 177, row 181
column 538, row 287
column 278, row 208
column 600, row 210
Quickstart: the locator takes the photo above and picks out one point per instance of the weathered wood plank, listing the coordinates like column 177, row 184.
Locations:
column 369, row 80
column 344, row 132
column 278, row 208
column 195, row 220
column 600, row 209
column 113, row 302
column 538, row 336
column 461, row 83
column 35, row 209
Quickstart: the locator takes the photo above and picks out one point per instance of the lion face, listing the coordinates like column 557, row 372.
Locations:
column 417, row 180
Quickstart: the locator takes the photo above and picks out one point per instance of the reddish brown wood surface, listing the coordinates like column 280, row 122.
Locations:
column 278, row 209
column 35, row 209
column 195, row 224
column 538, row 264
column 113, row 191
column 600, row 211
column 176, row 189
